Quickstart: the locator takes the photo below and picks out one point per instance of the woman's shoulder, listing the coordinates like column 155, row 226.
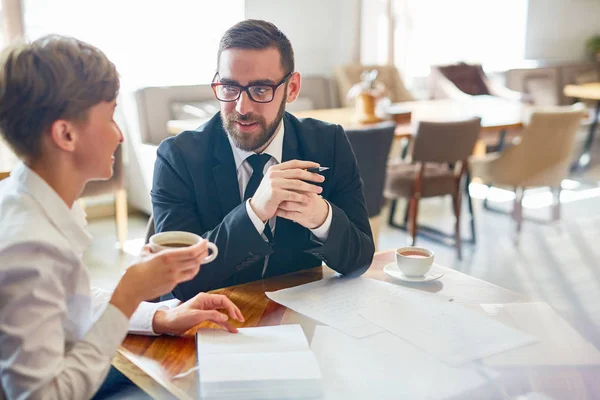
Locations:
column 24, row 222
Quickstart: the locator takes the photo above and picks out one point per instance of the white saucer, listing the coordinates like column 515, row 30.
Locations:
column 392, row 270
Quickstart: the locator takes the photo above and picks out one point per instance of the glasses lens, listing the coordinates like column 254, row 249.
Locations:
column 262, row 94
column 227, row 92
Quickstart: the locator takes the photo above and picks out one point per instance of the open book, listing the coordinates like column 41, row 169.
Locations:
column 273, row 362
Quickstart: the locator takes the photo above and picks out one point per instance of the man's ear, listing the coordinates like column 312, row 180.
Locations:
column 63, row 135
column 293, row 87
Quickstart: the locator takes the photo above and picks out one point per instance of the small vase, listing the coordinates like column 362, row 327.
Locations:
column 365, row 109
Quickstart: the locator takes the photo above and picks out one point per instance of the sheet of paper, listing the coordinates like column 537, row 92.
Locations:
column 450, row 332
column 273, row 362
column 559, row 344
column 383, row 366
column 334, row 302
column 266, row 339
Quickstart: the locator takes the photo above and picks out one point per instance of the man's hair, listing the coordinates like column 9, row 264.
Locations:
column 257, row 34
column 52, row 78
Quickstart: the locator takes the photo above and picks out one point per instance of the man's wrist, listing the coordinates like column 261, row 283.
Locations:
column 262, row 218
column 324, row 219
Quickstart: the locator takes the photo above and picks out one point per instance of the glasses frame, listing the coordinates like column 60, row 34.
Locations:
column 214, row 85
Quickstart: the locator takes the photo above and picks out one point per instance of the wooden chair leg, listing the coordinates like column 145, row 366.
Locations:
column 470, row 203
column 556, row 205
column 456, row 203
column 518, row 210
column 413, row 212
column 392, row 212
column 121, row 216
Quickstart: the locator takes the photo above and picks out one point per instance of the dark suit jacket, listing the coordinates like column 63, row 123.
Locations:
column 196, row 189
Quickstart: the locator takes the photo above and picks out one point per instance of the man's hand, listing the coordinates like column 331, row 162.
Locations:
column 285, row 182
column 310, row 214
column 202, row 307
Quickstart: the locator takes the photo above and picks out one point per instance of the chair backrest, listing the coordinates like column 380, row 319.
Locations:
column 466, row 77
column 371, row 147
column 348, row 75
column 445, row 142
column 544, row 155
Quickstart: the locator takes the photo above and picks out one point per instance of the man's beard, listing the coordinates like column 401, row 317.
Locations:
column 252, row 141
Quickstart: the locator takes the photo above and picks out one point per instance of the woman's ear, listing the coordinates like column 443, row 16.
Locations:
column 63, row 135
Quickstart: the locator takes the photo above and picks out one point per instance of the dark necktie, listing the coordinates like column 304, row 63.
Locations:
column 257, row 162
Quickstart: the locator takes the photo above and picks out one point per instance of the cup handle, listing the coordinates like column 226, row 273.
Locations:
column 214, row 252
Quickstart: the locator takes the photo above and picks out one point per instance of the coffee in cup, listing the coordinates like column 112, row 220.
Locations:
column 413, row 261
column 178, row 239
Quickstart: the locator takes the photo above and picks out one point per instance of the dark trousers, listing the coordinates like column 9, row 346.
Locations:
column 118, row 386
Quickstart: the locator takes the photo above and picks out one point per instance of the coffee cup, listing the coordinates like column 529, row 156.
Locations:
column 177, row 239
column 413, row 261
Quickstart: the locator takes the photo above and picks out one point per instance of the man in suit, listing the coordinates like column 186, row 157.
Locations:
column 242, row 180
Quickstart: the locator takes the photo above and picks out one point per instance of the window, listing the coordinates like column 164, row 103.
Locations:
column 151, row 43
column 435, row 32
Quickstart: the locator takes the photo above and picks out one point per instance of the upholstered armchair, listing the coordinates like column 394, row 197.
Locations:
column 541, row 159
column 462, row 80
column 348, row 75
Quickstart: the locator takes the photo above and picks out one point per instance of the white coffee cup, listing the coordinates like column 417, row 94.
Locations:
column 414, row 261
column 176, row 239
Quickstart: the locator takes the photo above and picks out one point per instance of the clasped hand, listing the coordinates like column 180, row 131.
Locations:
column 285, row 191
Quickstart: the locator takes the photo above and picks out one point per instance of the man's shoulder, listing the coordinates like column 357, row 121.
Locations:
column 313, row 126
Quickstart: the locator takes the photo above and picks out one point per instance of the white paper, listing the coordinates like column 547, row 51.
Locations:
column 559, row 344
column 268, row 339
column 272, row 362
column 384, row 366
column 448, row 331
column 334, row 301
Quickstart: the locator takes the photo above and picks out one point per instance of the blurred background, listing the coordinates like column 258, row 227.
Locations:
column 520, row 207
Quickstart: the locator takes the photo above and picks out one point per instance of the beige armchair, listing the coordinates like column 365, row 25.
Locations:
column 463, row 80
column 542, row 158
column 348, row 75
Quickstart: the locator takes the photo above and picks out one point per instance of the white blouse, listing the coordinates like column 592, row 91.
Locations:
column 57, row 334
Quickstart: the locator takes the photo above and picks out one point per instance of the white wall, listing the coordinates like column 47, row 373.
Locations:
column 558, row 29
column 321, row 31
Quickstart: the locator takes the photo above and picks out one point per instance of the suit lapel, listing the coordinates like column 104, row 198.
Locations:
column 224, row 172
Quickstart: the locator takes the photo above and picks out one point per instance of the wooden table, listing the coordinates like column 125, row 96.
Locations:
column 498, row 116
column 152, row 362
column 588, row 91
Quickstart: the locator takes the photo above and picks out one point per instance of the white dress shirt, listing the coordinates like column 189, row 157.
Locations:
column 57, row 335
column 244, row 172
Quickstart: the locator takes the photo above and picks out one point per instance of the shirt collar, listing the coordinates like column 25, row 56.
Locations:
column 274, row 149
column 70, row 222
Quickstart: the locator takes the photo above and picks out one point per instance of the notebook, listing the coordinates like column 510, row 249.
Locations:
column 273, row 362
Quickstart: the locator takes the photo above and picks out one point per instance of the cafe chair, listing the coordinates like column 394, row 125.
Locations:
column 459, row 81
column 438, row 164
column 371, row 147
column 541, row 159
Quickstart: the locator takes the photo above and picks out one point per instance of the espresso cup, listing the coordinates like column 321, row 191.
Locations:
column 414, row 261
column 177, row 239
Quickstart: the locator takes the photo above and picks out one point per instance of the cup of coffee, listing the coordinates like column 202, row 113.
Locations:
column 414, row 261
column 177, row 239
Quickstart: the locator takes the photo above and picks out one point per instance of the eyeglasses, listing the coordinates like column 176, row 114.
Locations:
column 229, row 92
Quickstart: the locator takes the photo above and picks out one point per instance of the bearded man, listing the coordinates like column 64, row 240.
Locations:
column 244, row 180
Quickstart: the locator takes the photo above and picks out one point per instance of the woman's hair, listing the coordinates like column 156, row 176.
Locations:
column 52, row 78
